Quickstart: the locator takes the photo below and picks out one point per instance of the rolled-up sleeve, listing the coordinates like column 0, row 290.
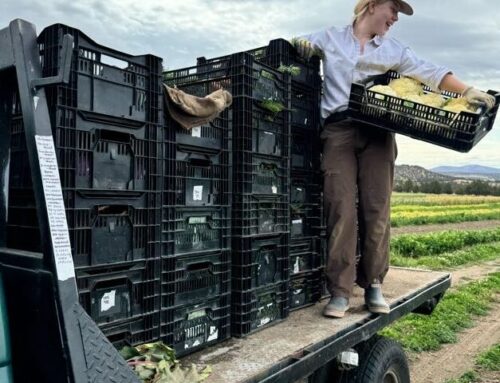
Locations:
column 424, row 71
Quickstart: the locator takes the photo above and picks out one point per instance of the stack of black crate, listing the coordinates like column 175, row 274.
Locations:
column 307, row 228
column 261, row 187
column 306, row 197
column 196, row 255
column 107, row 130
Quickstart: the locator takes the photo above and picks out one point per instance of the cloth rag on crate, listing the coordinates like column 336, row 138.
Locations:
column 190, row 111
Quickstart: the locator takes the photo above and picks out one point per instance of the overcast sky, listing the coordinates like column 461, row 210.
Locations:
column 463, row 35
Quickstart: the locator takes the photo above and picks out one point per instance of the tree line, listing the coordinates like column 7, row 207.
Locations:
column 476, row 187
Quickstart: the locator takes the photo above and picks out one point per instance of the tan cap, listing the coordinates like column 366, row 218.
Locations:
column 404, row 7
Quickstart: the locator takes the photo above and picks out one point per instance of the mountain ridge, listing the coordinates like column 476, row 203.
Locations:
column 465, row 169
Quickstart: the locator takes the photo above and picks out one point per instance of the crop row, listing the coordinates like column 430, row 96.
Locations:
column 404, row 218
column 440, row 199
column 436, row 208
column 417, row 245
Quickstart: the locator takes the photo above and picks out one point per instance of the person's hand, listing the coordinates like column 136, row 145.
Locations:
column 475, row 97
column 304, row 48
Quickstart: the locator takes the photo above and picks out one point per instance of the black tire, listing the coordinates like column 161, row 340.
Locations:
column 384, row 362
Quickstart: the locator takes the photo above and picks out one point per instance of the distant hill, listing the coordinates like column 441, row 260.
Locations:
column 479, row 172
column 418, row 174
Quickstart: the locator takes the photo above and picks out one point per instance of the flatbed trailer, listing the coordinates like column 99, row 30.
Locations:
column 301, row 346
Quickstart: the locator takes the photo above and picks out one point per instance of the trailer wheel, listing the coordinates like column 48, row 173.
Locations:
column 385, row 362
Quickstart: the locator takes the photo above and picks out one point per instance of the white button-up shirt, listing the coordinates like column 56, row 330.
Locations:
column 344, row 64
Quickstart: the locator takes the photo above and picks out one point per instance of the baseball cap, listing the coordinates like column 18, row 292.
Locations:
column 404, row 7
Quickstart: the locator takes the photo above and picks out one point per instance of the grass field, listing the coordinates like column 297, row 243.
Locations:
column 446, row 250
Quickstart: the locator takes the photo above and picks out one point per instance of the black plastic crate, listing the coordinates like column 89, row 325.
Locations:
column 238, row 73
column 133, row 332
column 119, row 292
column 259, row 262
column 200, row 178
column 280, row 52
column 106, row 87
column 305, row 151
column 101, row 235
column 306, row 188
column 458, row 132
column 195, row 277
column 256, row 309
column 215, row 134
column 93, row 164
column 305, row 105
column 304, row 289
column 255, row 174
column 305, row 221
column 260, row 130
column 194, row 326
column 198, row 229
column 304, row 255
column 259, row 215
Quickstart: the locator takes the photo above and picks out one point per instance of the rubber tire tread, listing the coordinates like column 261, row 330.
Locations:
column 384, row 353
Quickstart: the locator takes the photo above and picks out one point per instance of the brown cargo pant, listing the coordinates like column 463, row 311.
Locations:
column 357, row 160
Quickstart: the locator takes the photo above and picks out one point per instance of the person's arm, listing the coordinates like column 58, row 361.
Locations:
column 474, row 96
column 451, row 83
column 440, row 78
column 309, row 45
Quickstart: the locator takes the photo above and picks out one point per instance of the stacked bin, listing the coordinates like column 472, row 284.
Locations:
column 306, row 197
column 196, row 256
column 261, row 187
column 306, row 222
column 107, row 130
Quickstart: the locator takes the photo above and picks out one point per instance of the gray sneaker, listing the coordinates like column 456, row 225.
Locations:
column 336, row 308
column 375, row 300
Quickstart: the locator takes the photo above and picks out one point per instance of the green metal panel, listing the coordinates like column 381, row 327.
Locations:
column 5, row 358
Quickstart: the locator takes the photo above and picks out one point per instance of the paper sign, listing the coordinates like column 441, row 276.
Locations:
column 196, row 131
column 197, row 193
column 55, row 207
column 108, row 301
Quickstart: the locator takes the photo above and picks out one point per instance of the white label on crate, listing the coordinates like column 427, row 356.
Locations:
column 194, row 344
column 274, row 189
column 196, row 131
column 264, row 321
column 35, row 101
column 299, row 189
column 108, row 300
column 214, row 334
column 296, row 221
column 197, row 193
column 55, row 207
column 296, row 265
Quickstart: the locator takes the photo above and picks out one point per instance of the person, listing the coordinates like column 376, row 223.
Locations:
column 358, row 161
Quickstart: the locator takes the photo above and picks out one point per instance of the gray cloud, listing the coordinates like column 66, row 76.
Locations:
column 462, row 35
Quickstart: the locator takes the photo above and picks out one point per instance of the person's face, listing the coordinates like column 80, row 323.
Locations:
column 383, row 16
